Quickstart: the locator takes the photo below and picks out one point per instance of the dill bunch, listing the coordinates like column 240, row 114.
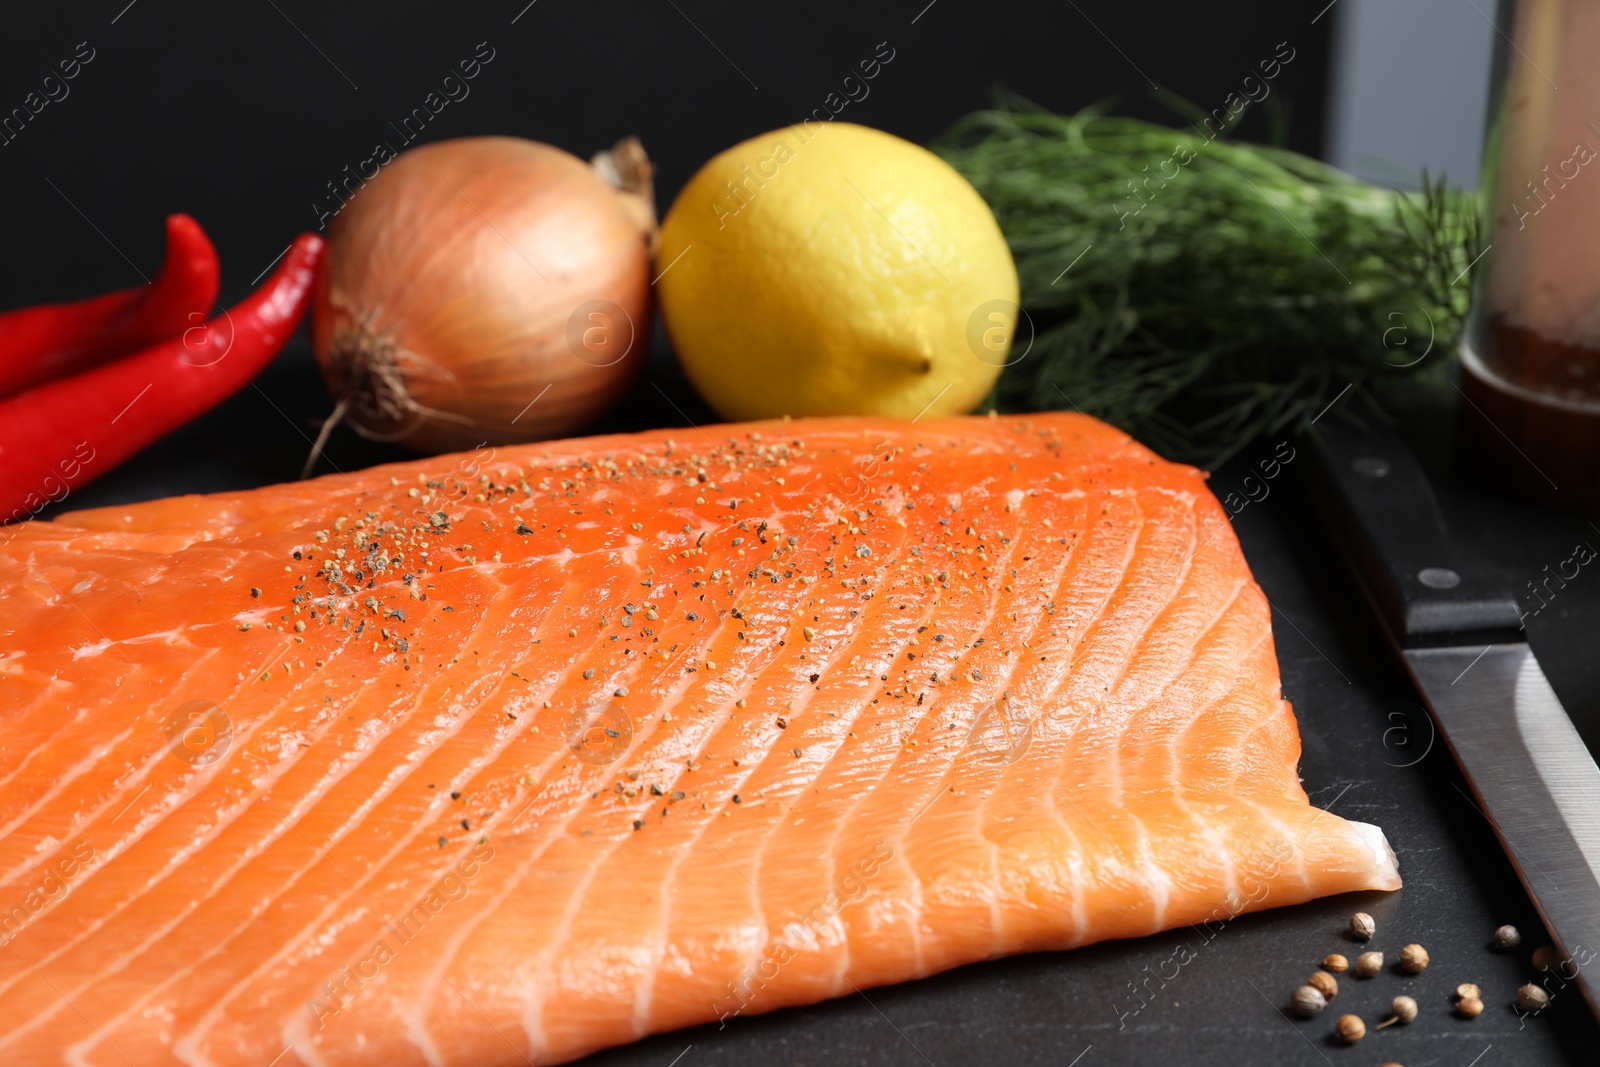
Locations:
column 1199, row 292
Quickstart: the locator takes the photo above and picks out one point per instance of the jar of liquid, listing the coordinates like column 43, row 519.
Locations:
column 1530, row 411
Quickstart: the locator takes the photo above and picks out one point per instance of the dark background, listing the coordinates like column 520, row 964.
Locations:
column 240, row 112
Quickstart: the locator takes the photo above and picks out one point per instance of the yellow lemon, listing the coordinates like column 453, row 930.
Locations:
column 832, row 269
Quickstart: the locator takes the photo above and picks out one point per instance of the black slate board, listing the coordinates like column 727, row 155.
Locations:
column 1079, row 1009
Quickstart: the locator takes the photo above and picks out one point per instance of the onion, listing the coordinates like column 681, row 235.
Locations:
column 486, row 290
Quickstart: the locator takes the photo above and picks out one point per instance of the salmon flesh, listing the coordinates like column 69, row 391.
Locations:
column 504, row 757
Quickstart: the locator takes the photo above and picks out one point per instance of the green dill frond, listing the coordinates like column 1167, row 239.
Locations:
column 1199, row 292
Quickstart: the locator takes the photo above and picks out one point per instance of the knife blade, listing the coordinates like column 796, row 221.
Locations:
column 1458, row 629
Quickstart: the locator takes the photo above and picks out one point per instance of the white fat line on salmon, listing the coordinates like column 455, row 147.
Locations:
column 801, row 931
column 53, row 889
column 336, row 993
column 998, row 735
column 130, row 803
column 1257, row 886
column 490, row 1023
column 108, row 642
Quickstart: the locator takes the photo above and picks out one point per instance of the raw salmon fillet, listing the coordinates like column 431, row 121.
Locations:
column 505, row 757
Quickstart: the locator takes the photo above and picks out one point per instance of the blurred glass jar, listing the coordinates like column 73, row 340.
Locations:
column 1531, row 351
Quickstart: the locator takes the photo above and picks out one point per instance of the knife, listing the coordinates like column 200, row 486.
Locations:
column 1458, row 629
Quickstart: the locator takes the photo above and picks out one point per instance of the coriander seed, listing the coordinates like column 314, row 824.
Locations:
column 1532, row 998
column 1350, row 1029
column 1324, row 983
column 1307, row 1002
column 1362, row 927
column 1369, row 964
column 1466, row 991
column 1547, row 958
column 1335, row 963
column 1507, row 937
column 1469, row 1007
column 1401, row 1010
column 1413, row 959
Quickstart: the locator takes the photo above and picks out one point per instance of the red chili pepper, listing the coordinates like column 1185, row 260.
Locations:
column 68, row 432
column 55, row 340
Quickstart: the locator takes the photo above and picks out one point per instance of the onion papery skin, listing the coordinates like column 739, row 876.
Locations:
column 473, row 278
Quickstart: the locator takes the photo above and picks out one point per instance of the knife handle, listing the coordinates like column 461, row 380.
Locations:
column 1377, row 499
